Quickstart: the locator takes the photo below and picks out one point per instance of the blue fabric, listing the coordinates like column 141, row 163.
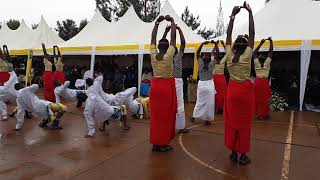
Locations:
column 144, row 89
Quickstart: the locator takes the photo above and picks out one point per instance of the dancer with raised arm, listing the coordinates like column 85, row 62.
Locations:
column 219, row 78
column 48, row 77
column 239, row 105
column 177, row 74
column 262, row 89
column 58, row 74
column 204, row 109
column 163, row 98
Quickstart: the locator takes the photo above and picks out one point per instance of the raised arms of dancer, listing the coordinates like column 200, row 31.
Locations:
column 155, row 30
column 251, row 25
column 173, row 40
column 215, row 51
column 270, row 54
column 6, row 52
column 235, row 11
column 45, row 54
column 182, row 40
column 165, row 34
column 256, row 51
column 200, row 48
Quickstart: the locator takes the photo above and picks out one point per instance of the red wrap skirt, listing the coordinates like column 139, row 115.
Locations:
column 221, row 88
column 262, row 94
column 59, row 75
column 163, row 109
column 48, row 86
column 4, row 77
column 238, row 115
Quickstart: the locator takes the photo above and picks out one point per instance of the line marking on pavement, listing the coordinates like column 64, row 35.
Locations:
column 287, row 151
column 201, row 162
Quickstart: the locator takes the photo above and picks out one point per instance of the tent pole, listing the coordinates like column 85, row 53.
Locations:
column 140, row 66
column 304, row 65
column 93, row 59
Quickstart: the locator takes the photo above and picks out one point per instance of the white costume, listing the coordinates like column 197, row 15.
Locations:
column 204, row 109
column 64, row 92
column 82, row 82
column 180, row 116
column 96, row 107
column 28, row 101
column 8, row 94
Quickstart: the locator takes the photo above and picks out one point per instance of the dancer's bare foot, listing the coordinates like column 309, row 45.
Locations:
column 88, row 136
column 207, row 123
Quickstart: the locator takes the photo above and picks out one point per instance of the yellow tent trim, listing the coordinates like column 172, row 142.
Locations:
column 115, row 48
column 316, row 42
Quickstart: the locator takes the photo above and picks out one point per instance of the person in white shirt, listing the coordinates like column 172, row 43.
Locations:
column 62, row 91
column 97, row 108
column 7, row 94
column 28, row 101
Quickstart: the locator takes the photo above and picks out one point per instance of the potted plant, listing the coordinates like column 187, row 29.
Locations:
column 278, row 102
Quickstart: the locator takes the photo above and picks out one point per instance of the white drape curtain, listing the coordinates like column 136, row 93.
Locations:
column 305, row 62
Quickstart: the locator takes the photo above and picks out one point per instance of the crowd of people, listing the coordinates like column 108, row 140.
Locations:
column 110, row 96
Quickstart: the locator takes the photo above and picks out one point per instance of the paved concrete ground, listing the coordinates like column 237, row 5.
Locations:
column 35, row 153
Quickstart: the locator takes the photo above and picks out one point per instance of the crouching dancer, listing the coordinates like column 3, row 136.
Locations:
column 96, row 107
column 62, row 91
column 28, row 101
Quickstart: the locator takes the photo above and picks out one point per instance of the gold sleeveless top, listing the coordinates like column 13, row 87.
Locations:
column 59, row 65
column 241, row 70
column 47, row 65
column 164, row 67
column 262, row 72
column 3, row 66
column 219, row 68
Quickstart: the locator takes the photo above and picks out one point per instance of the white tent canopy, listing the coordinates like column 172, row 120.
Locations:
column 124, row 36
column 24, row 38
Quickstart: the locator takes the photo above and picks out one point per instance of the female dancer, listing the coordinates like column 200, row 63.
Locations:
column 239, row 106
column 177, row 74
column 219, row 79
column 204, row 109
column 4, row 75
column 58, row 74
column 48, row 78
column 262, row 89
column 163, row 98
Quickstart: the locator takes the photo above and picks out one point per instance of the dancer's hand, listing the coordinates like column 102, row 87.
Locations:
column 160, row 19
column 168, row 18
column 236, row 10
column 206, row 42
column 263, row 40
column 168, row 28
column 247, row 7
column 269, row 39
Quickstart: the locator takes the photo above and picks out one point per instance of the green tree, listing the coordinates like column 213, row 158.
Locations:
column 13, row 24
column 67, row 29
column 34, row 26
column 191, row 20
column 267, row 1
column 220, row 27
column 194, row 23
column 111, row 10
column 83, row 24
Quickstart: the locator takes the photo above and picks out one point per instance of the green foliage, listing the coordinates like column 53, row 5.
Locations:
column 112, row 10
column 68, row 28
column 194, row 22
column 278, row 102
column 34, row 26
column 13, row 24
column 220, row 27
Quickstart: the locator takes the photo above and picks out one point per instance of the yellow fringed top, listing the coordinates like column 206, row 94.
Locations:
column 47, row 65
column 241, row 70
column 262, row 72
column 3, row 66
column 219, row 68
column 162, row 68
column 59, row 65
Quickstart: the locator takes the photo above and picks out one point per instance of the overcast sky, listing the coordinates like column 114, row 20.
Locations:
column 53, row 10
